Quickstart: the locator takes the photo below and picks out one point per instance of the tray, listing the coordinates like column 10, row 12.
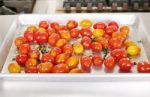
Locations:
column 135, row 23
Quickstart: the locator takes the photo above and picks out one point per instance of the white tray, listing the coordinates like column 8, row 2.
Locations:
column 138, row 32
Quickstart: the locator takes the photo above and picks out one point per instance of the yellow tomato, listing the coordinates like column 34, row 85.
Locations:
column 42, row 30
column 86, row 23
column 14, row 68
column 72, row 62
column 124, row 30
column 130, row 43
column 78, row 48
column 32, row 28
column 98, row 33
column 133, row 50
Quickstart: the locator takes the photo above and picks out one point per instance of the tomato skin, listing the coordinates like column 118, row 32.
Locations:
column 99, row 25
column 31, row 62
column 74, row 33
column 115, row 43
column 50, row 31
column 21, row 59
column 31, row 69
column 20, row 40
column 125, row 30
column 41, row 37
column 125, row 65
column 96, row 47
column 67, row 49
column 118, row 54
column 55, row 26
column 55, row 51
column 143, row 67
column 29, row 36
column 78, row 48
column 71, row 24
column 86, row 23
column 32, row 28
column 86, row 42
column 109, row 63
column 133, row 51
column 60, row 68
column 44, row 24
column 86, row 63
column 61, row 58
column 119, row 35
column 110, row 29
column 14, row 68
column 65, row 35
column 86, row 32
column 47, row 58
column 45, row 67
column 76, row 70
column 35, row 54
column 98, row 33
column 103, row 41
column 24, row 48
column 97, row 60
column 113, row 23
column 61, row 42
column 72, row 62
column 53, row 38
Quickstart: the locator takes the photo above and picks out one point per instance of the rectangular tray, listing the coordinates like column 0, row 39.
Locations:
column 138, row 32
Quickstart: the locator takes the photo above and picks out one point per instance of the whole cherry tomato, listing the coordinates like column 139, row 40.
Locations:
column 86, row 63
column 65, row 35
column 74, row 33
column 61, row 42
column 21, row 59
column 111, row 29
column 86, row 32
column 103, row 41
column 75, row 70
column 53, row 39
column 24, row 48
column 44, row 24
column 32, row 28
column 55, row 26
column 50, row 31
column 71, row 24
column 113, row 23
column 60, row 68
column 118, row 54
column 35, row 54
column 143, row 67
column 67, row 49
column 31, row 62
column 47, row 58
column 86, row 42
column 86, row 23
column 99, row 25
column 96, row 47
column 98, row 33
column 20, row 40
column 109, row 63
column 29, row 36
column 45, row 67
column 14, row 68
column 78, row 48
column 31, row 69
column 133, row 51
column 61, row 58
column 125, row 65
column 115, row 43
column 72, row 62
column 41, row 37
column 97, row 60
column 55, row 51
column 125, row 30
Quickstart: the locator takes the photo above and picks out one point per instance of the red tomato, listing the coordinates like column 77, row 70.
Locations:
column 86, row 32
column 113, row 23
column 99, row 25
column 97, row 60
column 31, row 69
column 143, row 67
column 86, row 63
column 53, row 38
column 21, row 59
column 103, row 41
column 71, row 24
column 41, row 37
column 86, row 42
column 51, row 31
column 125, row 65
column 35, row 54
column 74, row 33
column 96, row 47
column 60, row 68
column 20, row 40
column 110, row 29
column 61, row 58
column 29, row 36
column 24, row 48
column 45, row 67
column 67, row 49
column 115, row 43
column 55, row 26
column 44, row 24
column 55, row 51
column 109, row 63
column 62, row 28
column 61, row 42
column 118, row 54
column 47, row 58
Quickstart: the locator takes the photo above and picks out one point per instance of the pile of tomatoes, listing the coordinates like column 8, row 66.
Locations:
column 75, row 48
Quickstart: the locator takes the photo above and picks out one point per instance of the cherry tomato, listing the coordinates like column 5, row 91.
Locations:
column 65, row 35
column 96, row 47
column 29, row 36
column 78, row 48
column 67, row 49
column 72, row 62
column 86, row 63
column 113, row 23
column 31, row 69
column 24, row 48
column 130, row 43
column 74, row 33
column 97, row 60
column 111, row 29
column 143, row 67
column 99, row 25
column 103, row 41
column 35, row 54
column 62, row 28
column 47, row 58
column 45, row 67
column 115, row 43
column 53, row 39
column 60, row 68
column 125, row 30
column 50, row 31
column 98, row 33
column 31, row 62
column 71, row 24
column 41, row 30
column 125, row 65
column 75, row 70
column 86, row 32
column 14, row 68
column 41, row 37
column 55, row 26
column 118, row 54
column 133, row 51
column 20, row 40
column 32, row 28
column 55, row 51
column 86, row 23
column 61, row 58
column 119, row 35
column 21, row 59
column 86, row 42
column 109, row 63
column 44, row 24
column 61, row 42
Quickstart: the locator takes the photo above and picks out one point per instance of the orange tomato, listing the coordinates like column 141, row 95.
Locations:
column 14, row 68
column 65, row 35
column 60, row 68
column 45, row 67
column 124, row 30
column 61, row 42
column 20, row 40
column 86, row 23
column 75, row 70
column 72, row 62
